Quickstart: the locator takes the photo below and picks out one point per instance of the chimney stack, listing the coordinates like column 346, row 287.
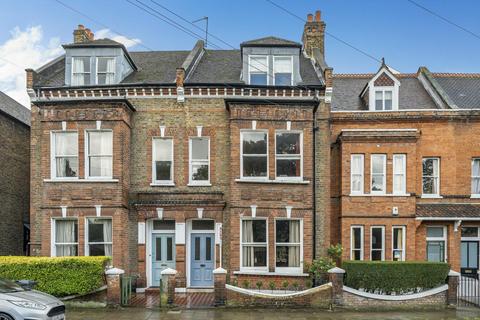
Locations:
column 314, row 34
column 82, row 34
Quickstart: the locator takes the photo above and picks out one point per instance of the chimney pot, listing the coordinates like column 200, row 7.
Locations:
column 82, row 34
column 81, row 27
column 309, row 17
column 318, row 15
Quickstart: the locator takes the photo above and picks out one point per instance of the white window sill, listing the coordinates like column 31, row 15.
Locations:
column 431, row 196
column 475, row 196
column 166, row 184
column 267, row 273
column 80, row 180
column 379, row 195
column 206, row 184
column 277, row 181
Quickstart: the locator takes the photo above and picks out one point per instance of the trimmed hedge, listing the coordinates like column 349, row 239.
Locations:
column 62, row 276
column 394, row 277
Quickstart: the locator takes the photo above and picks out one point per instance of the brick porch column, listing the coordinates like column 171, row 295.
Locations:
column 169, row 278
column 453, row 278
column 113, row 286
column 220, row 280
column 335, row 276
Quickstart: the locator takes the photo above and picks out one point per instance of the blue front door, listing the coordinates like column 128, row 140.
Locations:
column 163, row 255
column 202, row 260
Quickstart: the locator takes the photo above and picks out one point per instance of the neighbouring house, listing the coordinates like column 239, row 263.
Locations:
column 255, row 160
column 14, row 176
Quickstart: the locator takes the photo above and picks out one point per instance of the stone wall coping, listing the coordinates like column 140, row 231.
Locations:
column 412, row 296
column 219, row 271
column 286, row 295
column 453, row 273
column 336, row 270
column 168, row 271
column 114, row 272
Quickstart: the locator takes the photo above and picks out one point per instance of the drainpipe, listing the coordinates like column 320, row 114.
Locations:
column 315, row 129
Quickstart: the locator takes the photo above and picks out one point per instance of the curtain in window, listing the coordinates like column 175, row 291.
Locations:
column 65, row 233
column 398, row 175
column 476, row 177
column 110, row 76
column 294, row 237
column 101, row 153
column 107, row 236
column 247, row 237
column 78, row 70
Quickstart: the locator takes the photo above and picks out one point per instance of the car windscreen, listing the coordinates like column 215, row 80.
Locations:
column 7, row 286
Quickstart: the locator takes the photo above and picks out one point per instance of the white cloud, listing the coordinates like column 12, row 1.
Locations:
column 24, row 49
column 107, row 33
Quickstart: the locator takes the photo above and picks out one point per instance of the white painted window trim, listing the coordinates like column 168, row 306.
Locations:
column 384, row 157
column 372, row 89
column 258, row 72
column 383, row 90
column 72, row 73
column 474, row 195
column 266, row 178
column 156, row 182
column 477, row 238
column 254, row 244
column 96, row 69
column 432, row 195
column 291, row 68
column 53, row 158
column 403, row 250
column 444, row 239
column 383, row 242
column 362, row 174
column 192, row 162
column 87, row 243
column 288, row 270
column 53, row 227
column 87, row 156
column 352, row 243
column 402, row 174
column 288, row 156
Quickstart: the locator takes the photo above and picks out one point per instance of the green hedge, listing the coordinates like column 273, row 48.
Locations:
column 388, row 277
column 57, row 276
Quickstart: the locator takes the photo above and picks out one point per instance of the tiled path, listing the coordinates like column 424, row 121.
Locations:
column 183, row 300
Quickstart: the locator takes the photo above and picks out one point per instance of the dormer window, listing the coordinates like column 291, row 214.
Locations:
column 258, row 70
column 282, row 70
column 382, row 91
column 383, row 99
column 105, row 70
column 80, row 71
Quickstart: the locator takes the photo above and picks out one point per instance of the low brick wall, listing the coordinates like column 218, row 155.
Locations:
column 318, row 297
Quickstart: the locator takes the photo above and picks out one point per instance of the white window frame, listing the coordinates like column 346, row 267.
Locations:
column 372, row 89
column 253, row 155
column 288, row 156
column 254, row 244
column 87, row 243
column 404, row 248
column 89, row 73
column 96, row 69
column 53, row 158
column 362, row 240
column 250, row 67
column 362, row 173
column 403, row 175
column 291, row 68
column 383, row 243
column 87, row 156
column 172, row 170
column 432, row 195
column 383, row 90
column 289, row 270
column 474, row 195
column 192, row 162
column 444, row 239
column 53, row 243
column 384, row 156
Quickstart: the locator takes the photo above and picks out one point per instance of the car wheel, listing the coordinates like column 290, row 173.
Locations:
column 4, row 316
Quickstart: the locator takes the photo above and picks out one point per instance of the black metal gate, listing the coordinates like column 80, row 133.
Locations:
column 468, row 292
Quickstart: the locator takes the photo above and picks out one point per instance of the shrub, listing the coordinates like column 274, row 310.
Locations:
column 335, row 251
column 246, row 284
column 57, row 276
column 271, row 285
column 259, row 285
column 394, row 277
column 318, row 269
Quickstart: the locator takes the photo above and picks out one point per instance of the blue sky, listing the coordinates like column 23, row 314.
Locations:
column 402, row 33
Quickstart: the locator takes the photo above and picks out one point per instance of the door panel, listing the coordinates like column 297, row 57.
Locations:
column 163, row 255
column 202, row 260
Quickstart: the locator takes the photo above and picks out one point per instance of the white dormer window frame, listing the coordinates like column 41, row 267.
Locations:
column 256, row 71
column 97, row 72
column 275, row 58
column 372, row 91
column 77, row 72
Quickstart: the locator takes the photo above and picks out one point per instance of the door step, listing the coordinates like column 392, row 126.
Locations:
column 199, row 290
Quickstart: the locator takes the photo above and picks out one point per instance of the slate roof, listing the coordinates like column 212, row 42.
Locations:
column 95, row 43
column 270, row 42
column 14, row 109
column 448, row 210
column 463, row 90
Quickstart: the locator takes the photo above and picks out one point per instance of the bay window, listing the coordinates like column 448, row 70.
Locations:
column 99, row 159
column 64, row 150
column 254, row 244
column 476, row 177
column 65, row 237
column 431, row 175
column 356, row 174
column 258, row 70
column 199, row 160
column 378, row 176
column 105, row 70
column 288, row 155
column 288, row 245
column 398, row 243
column 377, row 243
column 80, row 71
column 162, row 159
column 99, row 237
column 356, row 243
column 282, row 71
column 399, row 173
column 436, row 244
column 254, row 153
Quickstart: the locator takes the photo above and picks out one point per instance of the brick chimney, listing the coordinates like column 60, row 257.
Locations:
column 314, row 34
column 82, row 34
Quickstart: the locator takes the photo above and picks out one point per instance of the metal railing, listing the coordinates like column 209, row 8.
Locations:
column 468, row 291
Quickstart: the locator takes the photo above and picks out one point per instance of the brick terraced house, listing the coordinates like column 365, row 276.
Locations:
column 254, row 159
